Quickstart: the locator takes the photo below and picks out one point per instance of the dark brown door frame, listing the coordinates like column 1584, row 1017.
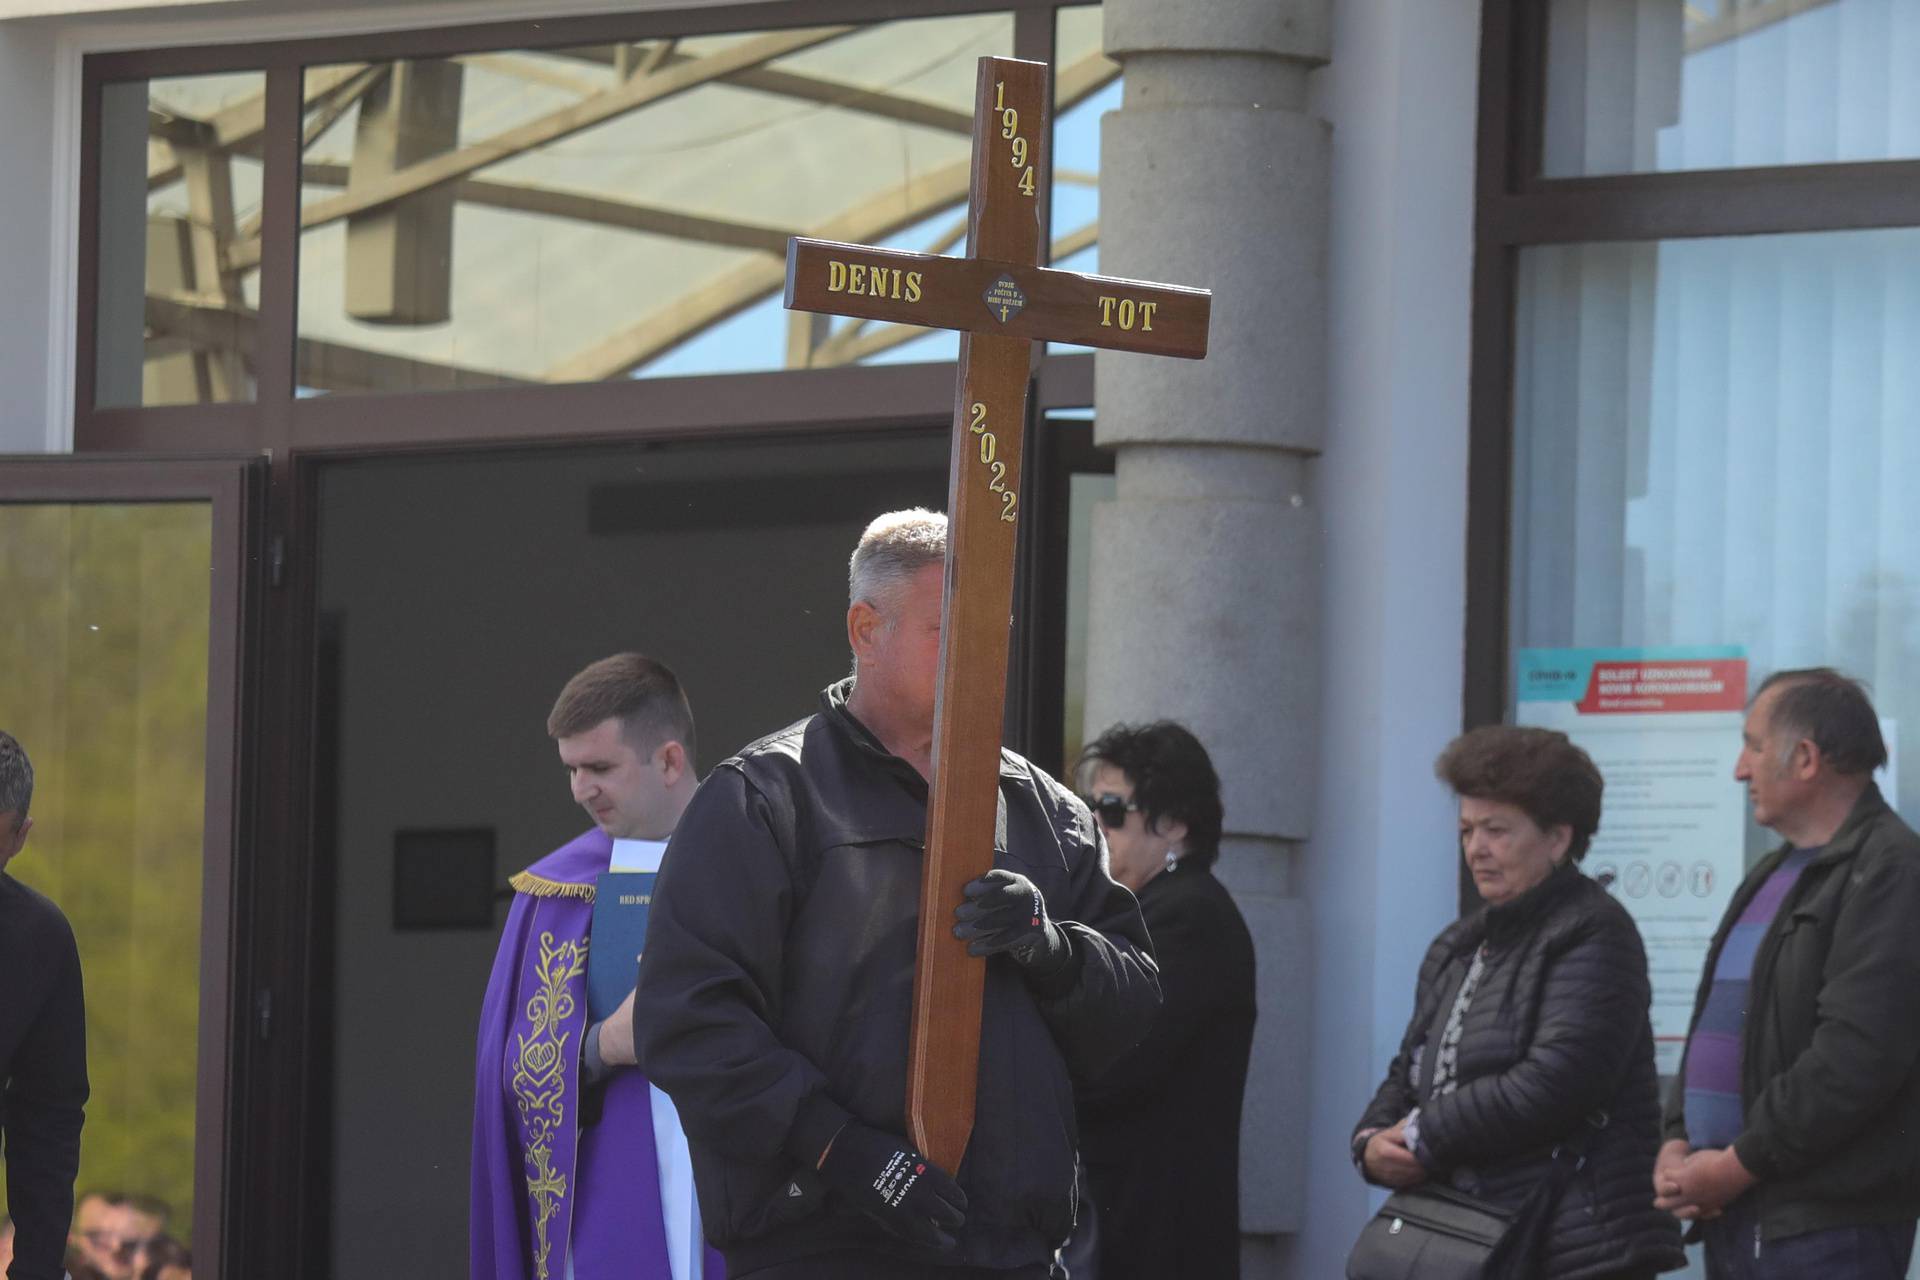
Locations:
column 280, row 1185
column 274, row 1205
column 290, row 1007
column 560, row 32
column 786, row 400
column 276, row 418
column 234, row 489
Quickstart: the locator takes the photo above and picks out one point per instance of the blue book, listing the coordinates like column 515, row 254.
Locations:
column 621, row 900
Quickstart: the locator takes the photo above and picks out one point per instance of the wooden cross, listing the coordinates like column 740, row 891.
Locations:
column 1002, row 302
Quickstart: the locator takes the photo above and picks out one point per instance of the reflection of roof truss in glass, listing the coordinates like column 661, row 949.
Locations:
column 1712, row 22
column 573, row 215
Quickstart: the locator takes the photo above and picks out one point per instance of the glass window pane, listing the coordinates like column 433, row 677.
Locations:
column 179, row 185
column 1714, row 444
column 1086, row 85
column 620, row 211
column 1636, row 86
column 103, row 679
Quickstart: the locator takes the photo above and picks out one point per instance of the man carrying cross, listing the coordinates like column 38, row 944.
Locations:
column 1003, row 302
column 777, row 987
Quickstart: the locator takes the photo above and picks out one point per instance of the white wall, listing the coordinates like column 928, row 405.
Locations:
column 1380, row 871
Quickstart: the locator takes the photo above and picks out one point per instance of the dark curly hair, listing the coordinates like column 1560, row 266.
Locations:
column 1172, row 776
column 1538, row 771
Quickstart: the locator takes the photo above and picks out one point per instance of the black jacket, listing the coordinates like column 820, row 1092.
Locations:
column 1830, row 1065
column 43, row 1066
column 1556, row 1038
column 777, row 984
column 1160, row 1130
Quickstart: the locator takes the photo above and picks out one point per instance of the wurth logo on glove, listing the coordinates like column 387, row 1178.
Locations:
column 1039, row 909
column 898, row 1177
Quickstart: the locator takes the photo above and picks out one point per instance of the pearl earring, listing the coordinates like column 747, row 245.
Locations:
column 1173, row 858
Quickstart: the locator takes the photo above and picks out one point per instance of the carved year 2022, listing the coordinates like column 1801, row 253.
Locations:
column 996, row 469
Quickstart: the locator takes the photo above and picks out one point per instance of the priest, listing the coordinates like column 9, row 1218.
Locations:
column 580, row 1168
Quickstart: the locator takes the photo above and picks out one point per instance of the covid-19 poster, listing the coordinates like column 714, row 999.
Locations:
column 1663, row 725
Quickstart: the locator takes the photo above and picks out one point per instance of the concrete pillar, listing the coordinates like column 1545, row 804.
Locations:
column 1205, row 574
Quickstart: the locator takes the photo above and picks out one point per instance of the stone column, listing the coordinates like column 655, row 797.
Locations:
column 1206, row 582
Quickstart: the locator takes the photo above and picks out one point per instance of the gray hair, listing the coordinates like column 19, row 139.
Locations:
column 16, row 777
column 895, row 546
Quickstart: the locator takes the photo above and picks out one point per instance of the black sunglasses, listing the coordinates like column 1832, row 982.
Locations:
column 1112, row 809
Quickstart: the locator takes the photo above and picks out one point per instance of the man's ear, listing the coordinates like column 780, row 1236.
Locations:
column 1806, row 760
column 673, row 762
column 16, row 841
column 863, row 628
column 1171, row 828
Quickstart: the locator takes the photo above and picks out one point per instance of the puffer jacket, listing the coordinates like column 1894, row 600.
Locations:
column 776, row 994
column 1556, row 1045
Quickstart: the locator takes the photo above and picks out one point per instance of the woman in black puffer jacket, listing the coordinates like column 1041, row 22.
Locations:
column 1530, row 1024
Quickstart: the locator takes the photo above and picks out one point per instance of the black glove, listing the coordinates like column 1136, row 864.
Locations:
column 1004, row 912
column 896, row 1186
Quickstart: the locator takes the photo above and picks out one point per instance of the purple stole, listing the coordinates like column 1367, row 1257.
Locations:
column 544, row 1193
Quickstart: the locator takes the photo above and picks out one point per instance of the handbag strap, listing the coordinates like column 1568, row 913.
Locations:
column 1520, row 1255
column 1570, row 1156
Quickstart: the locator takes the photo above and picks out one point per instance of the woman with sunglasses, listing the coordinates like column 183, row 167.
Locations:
column 1160, row 1129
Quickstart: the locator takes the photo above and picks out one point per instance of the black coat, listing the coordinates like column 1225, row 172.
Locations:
column 1556, row 1037
column 777, row 986
column 1830, row 1047
column 43, row 1067
column 1160, row 1128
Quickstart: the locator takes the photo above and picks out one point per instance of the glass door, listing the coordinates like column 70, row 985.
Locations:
column 122, row 643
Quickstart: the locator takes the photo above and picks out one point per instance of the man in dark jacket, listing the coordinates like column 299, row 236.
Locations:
column 1790, row 1131
column 43, row 1045
column 776, row 987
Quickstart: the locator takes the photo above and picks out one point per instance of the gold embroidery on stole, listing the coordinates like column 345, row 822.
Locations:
column 540, row 1083
column 540, row 887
